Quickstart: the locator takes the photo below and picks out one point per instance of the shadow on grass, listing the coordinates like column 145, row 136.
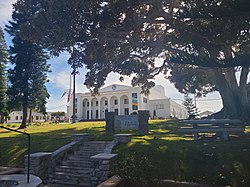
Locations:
column 162, row 154
column 165, row 154
column 13, row 149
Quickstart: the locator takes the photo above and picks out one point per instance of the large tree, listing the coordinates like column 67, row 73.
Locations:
column 29, row 73
column 127, row 36
column 3, row 59
column 201, row 81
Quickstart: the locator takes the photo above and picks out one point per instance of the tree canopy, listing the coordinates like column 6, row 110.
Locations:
column 28, row 75
column 127, row 36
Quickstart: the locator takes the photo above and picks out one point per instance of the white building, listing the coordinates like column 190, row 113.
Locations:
column 17, row 117
column 125, row 100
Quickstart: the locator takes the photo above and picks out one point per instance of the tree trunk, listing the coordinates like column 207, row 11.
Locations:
column 228, row 99
column 25, row 113
column 2, row 119
column 30, row 116
column 234, row 96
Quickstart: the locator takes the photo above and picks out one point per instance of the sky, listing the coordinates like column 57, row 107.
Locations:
column 59, row 78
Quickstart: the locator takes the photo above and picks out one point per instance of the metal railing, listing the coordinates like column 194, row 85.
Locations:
column 28, row 172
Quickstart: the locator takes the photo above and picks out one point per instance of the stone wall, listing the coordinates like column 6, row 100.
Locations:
column 101, row 165
column 42, row 164
column 39, row 164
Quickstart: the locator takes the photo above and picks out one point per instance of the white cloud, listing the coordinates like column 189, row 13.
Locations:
column 56, row 103
column 60, row 80
column 5, row 11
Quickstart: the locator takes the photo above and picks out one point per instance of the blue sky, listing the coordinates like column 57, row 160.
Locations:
column 60, row 76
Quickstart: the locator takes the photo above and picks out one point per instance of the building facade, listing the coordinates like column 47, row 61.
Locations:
column 124, row 100
column 17, row 117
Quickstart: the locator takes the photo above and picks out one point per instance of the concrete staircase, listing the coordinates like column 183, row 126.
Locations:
column 75, row 170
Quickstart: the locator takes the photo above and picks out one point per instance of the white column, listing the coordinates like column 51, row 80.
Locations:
column 89, row 109
column 109, row 104
column 130, row 102
column 99, row 108
column 119, row 105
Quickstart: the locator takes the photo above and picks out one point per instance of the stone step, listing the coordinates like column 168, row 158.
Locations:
column 60, row 183
column 76, row 170
column 79, row 157
column 65, row 176
column 91, row 149
column 73, row 170
column 83, row 153
column 83, row 164
column 96, row 143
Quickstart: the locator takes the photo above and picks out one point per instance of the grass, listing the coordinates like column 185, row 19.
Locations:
column 165, row 154
column 162, row 154
column 44, row 138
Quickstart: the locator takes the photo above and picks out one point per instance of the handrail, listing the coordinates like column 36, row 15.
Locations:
column 28, row 173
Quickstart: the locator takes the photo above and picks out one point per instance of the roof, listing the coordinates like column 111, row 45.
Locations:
column 205, row 113
column 33, row 113
column 115, row 87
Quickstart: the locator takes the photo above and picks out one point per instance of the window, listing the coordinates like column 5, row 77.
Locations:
column 37, row 117
column 160, row 106
column 76, row 100
column 145, row 100
column 134, row 95
column 116, row 102
column 21, row 117
column 88, row 114
column 125, row 101
column 96, row 114
column 83, row 104
column 91, row 103
column 16, row 117
column 96, row 103
column 116, row 111
column 126, row 111
column 134, row 107
column 106, row 102
column 76, row 110
column 87, row 103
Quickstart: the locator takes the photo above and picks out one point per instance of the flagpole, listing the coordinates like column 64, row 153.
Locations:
column 74, row 95
column 69, row 93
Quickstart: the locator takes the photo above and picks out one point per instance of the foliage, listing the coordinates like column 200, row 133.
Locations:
column 29, row 73
column 3, row 59
column 57, row 114
column 190, row 79
column 127, row 36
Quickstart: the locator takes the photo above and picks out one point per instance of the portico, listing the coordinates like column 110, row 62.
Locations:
column 123, row 100
column 94, row 107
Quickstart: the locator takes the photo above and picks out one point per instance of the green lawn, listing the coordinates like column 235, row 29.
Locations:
column 162, row 154
column 46, row 138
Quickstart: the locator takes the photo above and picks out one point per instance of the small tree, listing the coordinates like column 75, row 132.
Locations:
column 189, row 105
